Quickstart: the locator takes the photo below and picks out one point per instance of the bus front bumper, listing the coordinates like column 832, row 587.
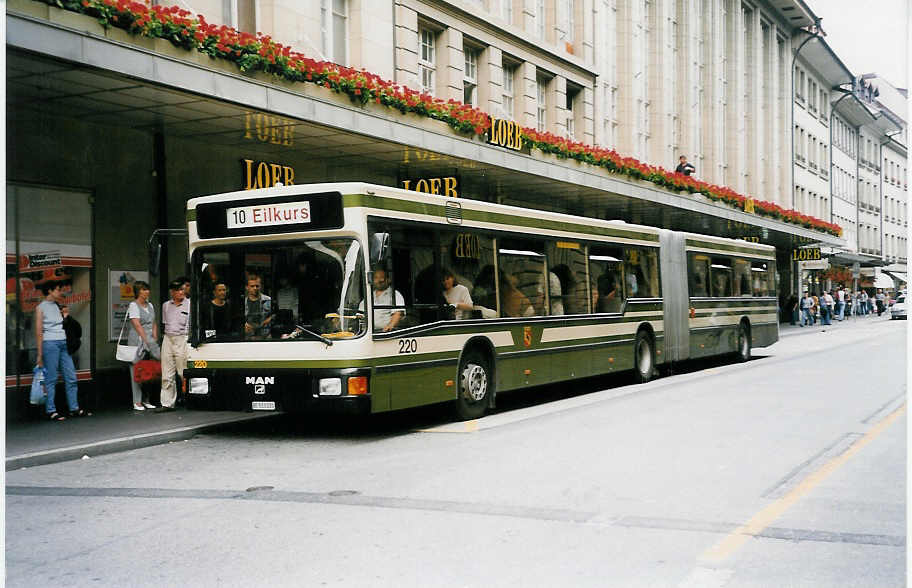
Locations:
column 344, row 391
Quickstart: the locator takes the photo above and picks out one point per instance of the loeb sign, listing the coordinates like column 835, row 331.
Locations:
column 505, row 133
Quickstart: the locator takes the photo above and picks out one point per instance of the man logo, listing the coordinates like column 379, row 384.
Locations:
column 259, row 380
column 259, row 383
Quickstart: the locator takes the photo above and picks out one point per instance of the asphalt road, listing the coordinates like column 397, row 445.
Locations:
column 786, row 471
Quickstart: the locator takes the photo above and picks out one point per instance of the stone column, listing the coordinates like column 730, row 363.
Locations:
column 525, row 99
column 450, row 64
column 407, row 47
column 490, row 80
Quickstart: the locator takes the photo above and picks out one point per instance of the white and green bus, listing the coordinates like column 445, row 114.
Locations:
column 359, row 298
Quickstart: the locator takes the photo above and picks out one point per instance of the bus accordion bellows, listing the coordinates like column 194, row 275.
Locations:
column 359, row 298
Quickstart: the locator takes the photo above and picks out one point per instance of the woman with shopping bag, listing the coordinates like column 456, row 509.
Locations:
column 144, row 336
column 52, row 352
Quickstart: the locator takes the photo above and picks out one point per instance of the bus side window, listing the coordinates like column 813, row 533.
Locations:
column 698, row 274
column 721, row 272
column 742, row 277
column 521, row 279
column 762, row 278
column 606, row 276
column 567, row 278
column 470, row 257
column 642, row 272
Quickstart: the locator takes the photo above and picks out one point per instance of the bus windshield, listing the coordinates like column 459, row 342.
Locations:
column 299, row 291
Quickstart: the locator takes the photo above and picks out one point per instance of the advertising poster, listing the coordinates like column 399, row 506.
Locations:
column 120, row 288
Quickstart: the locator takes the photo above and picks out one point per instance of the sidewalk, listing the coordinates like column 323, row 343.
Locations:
column 42, row 442
column 787, row 330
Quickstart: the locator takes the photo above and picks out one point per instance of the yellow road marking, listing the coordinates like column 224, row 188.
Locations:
column 762, row 519
column 466, row 427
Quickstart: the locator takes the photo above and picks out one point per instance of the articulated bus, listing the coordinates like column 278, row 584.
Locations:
column 358, row 298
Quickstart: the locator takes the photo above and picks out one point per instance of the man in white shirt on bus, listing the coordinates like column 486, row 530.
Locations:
column 386, row 319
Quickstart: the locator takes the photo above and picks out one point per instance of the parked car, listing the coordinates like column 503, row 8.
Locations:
column 898, row 310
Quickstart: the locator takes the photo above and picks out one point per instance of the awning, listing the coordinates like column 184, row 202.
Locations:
column 883, row 281
column 897, row 276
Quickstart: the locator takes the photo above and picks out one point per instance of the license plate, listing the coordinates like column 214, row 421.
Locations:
column 263, row 405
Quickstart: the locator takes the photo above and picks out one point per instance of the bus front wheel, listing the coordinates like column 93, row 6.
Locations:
column 475, row 386
column 643, row 357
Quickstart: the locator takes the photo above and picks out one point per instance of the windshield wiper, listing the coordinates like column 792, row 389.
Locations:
column 326, row 340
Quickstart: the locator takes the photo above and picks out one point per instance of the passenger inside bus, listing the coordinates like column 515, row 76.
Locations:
column 606, row 295
column 513, row 301
column 258, row 309
column 484, row 293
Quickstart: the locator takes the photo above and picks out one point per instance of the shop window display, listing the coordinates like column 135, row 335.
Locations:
column 45, row 244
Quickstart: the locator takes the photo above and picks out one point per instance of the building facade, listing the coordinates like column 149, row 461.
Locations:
column 139, row 124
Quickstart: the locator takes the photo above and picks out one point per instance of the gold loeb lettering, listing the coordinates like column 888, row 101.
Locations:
column 505, row 133
column 806, row 255
column 446, row 186
column 467, row 247
column 265, row 174
column 268, row 129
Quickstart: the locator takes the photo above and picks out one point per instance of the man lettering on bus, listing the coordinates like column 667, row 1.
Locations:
column 386, row 319
column 257, row 310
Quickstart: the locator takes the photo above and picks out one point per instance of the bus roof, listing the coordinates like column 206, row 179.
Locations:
column 469, row 204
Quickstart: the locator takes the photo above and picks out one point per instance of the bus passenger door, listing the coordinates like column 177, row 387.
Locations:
column 675, row 296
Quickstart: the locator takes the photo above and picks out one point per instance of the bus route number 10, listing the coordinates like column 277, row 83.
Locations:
column 408, row 345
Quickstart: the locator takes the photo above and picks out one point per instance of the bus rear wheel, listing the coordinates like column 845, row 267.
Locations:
column 475, row 386
column 643, row 357
column 744, row 344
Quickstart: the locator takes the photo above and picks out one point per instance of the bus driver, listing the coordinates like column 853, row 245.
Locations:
column 386, row 319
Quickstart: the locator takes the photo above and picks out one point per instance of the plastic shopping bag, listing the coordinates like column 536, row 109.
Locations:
column 38, row 394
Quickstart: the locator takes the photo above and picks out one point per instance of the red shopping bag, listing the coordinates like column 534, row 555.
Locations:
column 147, row 370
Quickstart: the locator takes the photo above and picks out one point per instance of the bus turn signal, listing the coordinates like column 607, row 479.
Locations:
column 357, row 386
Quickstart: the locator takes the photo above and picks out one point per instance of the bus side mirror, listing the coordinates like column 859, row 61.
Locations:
column 379, row 248
column 154, row 258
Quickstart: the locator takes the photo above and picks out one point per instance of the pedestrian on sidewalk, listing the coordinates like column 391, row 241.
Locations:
column 176, row 319
column 807, row 304
column 880, row 301
column 52, row 352
column 864, row 303
column 826, row 309
column 840, row 304
column 143, row 334
column 792, row 306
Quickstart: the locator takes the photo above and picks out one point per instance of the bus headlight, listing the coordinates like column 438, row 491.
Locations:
column 330, row 387
column 199, row 386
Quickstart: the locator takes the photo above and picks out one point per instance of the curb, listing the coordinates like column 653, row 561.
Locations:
column 119, row 444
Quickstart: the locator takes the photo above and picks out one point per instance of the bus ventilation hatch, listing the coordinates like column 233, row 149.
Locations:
column 454, row 213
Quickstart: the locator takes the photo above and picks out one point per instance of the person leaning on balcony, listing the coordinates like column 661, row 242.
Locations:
column 685, row 167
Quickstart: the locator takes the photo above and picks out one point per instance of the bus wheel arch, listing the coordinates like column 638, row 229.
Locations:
column 743, row 342
column 475, row 379
column 644, row 353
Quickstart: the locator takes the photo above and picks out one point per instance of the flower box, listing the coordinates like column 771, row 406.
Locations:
column 72, row 20
column 29, row 8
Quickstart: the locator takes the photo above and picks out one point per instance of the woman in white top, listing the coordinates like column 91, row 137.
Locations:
column 52, row 352
column 457, row 295
column 144, row 332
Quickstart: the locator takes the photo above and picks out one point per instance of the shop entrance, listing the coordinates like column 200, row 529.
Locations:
column 48, row 237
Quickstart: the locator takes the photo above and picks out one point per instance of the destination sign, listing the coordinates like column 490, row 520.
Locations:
column 289, row 213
